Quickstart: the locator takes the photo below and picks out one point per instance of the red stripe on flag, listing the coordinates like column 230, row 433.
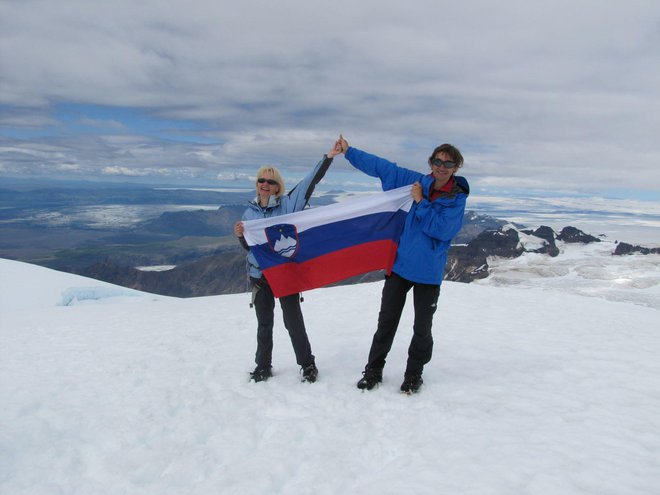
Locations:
column 289, row 278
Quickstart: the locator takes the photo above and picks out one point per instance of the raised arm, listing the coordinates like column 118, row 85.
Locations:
column 390, row 174
column 300, row 194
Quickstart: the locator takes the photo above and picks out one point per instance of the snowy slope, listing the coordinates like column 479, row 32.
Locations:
column 26, row 286
column 531, row 391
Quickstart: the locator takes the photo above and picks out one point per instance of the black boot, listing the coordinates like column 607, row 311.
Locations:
column 411, row 383
column 260, row 374
column 370, row 378
column 309, row 373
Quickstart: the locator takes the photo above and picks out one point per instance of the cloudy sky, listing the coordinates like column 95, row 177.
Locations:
column 548, row 97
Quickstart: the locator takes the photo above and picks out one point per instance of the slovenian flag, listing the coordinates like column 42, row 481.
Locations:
column 315, row 247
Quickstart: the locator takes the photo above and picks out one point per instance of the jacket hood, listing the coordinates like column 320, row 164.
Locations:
column 462, row 181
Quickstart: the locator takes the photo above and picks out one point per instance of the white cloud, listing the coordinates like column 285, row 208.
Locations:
column 532, row 93
column 68, row 167
column 133, row 172
column 233, row 176
column 103, row 124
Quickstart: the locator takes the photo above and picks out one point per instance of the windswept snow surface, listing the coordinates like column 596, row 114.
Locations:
column 530, row 391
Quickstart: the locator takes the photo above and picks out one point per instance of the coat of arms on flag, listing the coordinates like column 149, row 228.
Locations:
column 283, row 239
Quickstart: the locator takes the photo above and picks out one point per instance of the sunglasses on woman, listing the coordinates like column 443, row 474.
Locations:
column 448, row 164
column 271, row 182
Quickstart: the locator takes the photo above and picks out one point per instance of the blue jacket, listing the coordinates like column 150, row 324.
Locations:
column 430, row 225
column 294, row 200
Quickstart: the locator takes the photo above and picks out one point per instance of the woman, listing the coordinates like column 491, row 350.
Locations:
column 269, row 202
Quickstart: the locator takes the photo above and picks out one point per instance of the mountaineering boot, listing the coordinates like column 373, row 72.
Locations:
column 260, row 374
column 370, row 378
column 309, row 373
column 411, row 383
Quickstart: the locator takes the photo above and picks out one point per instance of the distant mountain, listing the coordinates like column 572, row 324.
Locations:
column 218, row 222
column 224, row 272
column 221, row 273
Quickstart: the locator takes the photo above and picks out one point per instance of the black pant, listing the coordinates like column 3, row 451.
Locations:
column 264, row 304
column 393, row 299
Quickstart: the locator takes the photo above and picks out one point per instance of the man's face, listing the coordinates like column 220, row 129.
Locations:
column 441, row 172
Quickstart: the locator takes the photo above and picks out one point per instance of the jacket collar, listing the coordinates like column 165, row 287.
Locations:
column 460, row 184
column 273, row 201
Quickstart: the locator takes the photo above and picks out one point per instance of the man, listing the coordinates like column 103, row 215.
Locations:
column 434, row 219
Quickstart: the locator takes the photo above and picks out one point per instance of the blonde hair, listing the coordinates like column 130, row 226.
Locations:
column 276, row 176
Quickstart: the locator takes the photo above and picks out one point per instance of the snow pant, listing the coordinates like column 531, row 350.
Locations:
column 393, row 299
column 264, row 304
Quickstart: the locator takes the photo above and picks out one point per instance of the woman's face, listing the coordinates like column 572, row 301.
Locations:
column 264, row 189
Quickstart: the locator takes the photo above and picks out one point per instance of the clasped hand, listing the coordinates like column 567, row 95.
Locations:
column 340, row 146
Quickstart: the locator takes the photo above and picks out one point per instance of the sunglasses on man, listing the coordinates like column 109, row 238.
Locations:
column 271, row 182
column 448, row 164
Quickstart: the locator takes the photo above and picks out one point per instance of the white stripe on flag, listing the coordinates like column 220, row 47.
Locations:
column 392, row 200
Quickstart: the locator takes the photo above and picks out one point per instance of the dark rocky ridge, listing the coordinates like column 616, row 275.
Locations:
column 623, row 248
column 466, row 263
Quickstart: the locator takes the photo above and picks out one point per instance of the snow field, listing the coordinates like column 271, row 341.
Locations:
column 529, row 391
